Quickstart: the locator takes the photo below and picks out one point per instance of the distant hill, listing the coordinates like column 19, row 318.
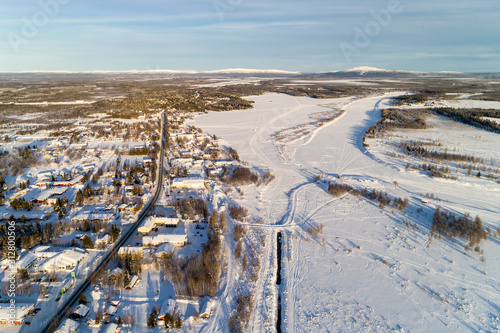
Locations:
column 367, row 72
column 363, row 72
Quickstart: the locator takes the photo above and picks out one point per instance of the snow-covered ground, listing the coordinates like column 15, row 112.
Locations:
column 470, row 103
column 49, row 103
column 225, row 82
column 352, row 82
column 370, row 269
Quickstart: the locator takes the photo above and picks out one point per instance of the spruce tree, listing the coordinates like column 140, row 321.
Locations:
column 152, row 320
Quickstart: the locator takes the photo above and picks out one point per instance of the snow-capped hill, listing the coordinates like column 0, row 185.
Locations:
column 133, row 71
column 450, row 72
column 160, row 71
column 249, row 71
column 365, row 69
column 172, row 71
column 370, row 71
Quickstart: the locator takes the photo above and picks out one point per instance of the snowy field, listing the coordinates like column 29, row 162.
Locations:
column 369, row 269
column 470, row 103
column 352, row 82
column 222, row 82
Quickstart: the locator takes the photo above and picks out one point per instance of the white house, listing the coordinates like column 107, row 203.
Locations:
column 202, row 137
column 68, row 259
column 113, row 328
column 188, row 182
column 86, row 216
column 225, row 163
column 181, row 161
column 168, row 306
column 44, row 176
column 89, row 167
column 185, row 136
column 40, row 248
column 166, row 248
column 176, row 240
column 81, row 311
column 27, row 261
column 68, row 326
column 133, row 281
column 153, row 221
column 106, row 239
column 116, row 272
column 111, row 310
column 206, row 308
column 133, row 250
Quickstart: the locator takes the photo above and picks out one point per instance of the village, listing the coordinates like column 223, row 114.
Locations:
column 72, row 209
column 248, row 203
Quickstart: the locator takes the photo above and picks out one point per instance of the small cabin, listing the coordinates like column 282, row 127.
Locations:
column 132, row 283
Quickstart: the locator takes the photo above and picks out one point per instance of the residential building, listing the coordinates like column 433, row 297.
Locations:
column 188, row 182
column 178, row 239
column 68, row 326
column 168, row 306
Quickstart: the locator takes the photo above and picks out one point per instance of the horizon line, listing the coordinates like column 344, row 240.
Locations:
column 360, row 69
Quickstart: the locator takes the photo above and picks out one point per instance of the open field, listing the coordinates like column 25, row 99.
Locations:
column 369, row 268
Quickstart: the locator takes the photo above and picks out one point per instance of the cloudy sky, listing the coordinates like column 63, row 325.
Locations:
column 296, row 35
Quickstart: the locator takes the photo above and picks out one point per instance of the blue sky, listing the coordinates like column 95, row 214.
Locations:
column 296, row 35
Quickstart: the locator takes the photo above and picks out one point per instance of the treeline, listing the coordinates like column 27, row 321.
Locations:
column 394, row 119
column 322, row 91
column 229, row 103
column 217, row 223
column 237, row 212
column 134, row 169
column 382, row 198
column 488, row 96
column 415, row 148
column 433, row 171
column 87, row 193
column 97, row 227
column 233, row 154
column 131, row 263
column 410, row 118
column 139, row 151
column 190, row 208
column 448, row 224
column 177, row 97
column 238, row 322
column 20, row 204
column 240, row 176
column 139, row 131
column 411, row 99
column 198, row 274
column 25, row 158
column 473, row 117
